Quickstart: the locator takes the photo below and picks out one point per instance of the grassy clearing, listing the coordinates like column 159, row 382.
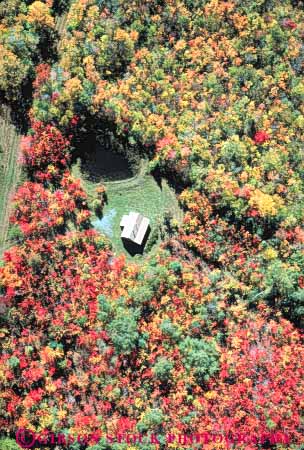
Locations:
column 141, row 194
column 10, row 171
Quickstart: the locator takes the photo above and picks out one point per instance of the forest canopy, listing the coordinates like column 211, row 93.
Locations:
column 205, row 333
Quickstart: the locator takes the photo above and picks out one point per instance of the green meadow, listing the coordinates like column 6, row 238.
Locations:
column 140, row 193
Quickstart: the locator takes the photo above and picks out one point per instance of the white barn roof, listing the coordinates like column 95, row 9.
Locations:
column 134, row 226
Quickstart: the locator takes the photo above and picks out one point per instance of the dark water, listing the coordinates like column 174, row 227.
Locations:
column 100, row 163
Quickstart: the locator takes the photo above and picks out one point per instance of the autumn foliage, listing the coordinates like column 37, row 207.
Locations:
column 45, row 151
column 204, row 335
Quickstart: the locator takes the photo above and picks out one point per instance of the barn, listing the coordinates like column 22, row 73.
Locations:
column 134, row 227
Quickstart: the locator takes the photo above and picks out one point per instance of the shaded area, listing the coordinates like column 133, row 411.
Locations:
column 103, row 155
column 61, row 6
column 19, row 108
column 99, row 163
column 177, row 181
column 20, row 100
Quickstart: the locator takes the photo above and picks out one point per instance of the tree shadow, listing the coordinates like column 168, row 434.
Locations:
column 21, row 103
column 19, row 108
column 156, row 174
column 176, row 182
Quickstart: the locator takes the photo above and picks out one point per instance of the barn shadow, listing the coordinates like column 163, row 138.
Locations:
column 135, row 249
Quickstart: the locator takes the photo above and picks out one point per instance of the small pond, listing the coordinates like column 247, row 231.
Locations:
column 100, row 163
column 107, row 223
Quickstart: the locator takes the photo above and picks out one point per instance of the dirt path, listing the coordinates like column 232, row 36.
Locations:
column 61, row 27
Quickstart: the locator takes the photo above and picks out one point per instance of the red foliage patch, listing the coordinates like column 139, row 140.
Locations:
column 260, row 137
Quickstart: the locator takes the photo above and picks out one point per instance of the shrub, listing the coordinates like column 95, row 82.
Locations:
column 200, row 356
column 162, row 369
column 123, row 331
